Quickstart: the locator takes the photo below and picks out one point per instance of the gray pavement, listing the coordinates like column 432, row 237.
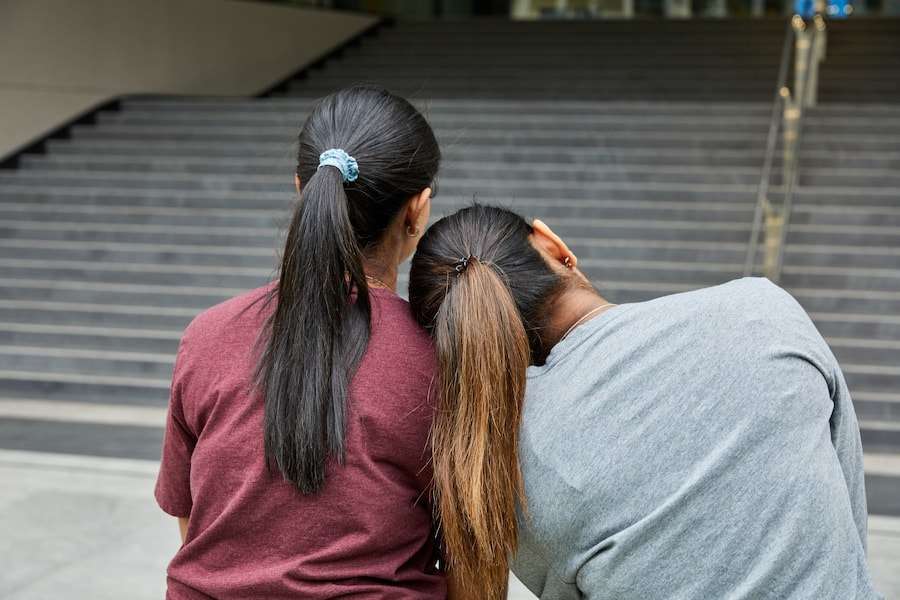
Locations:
column 87, row 528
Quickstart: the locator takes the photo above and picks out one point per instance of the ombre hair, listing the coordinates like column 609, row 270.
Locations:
column 481, row 290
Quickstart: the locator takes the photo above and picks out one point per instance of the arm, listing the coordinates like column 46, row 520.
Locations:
column 183, row 527
column 173, row 484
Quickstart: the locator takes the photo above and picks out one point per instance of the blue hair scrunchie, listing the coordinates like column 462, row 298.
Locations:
column 344, row 163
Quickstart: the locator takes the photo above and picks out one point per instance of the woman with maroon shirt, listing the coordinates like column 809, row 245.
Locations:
column 296, row 450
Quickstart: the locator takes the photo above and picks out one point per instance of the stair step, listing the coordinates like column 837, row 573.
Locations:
column 32, row 293
column 204, row 158
column 78, row 361
column 573, row 120
column 867, row 351
column 877, row 406
column 484, row 136
column 880, row 435
column 279, row 176
column 75, row 387
column 92, row 439
column 87, row 412
column 95, row 314
column 872, row 326
column 110, row 339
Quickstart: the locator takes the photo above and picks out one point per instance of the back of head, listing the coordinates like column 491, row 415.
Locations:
column 362, row 154
column 481, row 289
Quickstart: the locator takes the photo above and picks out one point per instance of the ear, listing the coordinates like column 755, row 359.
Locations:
column 297, row 182
column 544, row 238
column 419, row 209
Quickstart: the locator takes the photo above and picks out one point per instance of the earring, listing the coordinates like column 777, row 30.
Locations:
column 412, row 231
column 567, row 262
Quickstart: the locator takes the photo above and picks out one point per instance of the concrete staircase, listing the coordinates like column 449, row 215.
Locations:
column 641, row 142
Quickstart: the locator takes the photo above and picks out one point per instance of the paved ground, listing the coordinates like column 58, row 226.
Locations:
column 86, row 528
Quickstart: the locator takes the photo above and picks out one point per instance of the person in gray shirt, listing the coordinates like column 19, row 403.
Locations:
column 697, row 446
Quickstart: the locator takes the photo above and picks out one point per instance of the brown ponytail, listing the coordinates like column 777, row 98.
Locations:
column 483, row 354
column 485, row 314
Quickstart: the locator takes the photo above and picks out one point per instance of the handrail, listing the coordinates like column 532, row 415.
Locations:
column 762, row 190
column 791, row 113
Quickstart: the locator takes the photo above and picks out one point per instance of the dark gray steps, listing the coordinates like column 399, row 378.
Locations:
column 882, row 437
column 108, row 389
column 130, row 315
column 875, row 406
column 816, row 254
column 82, row 157
column 292, row 105
column 112, row 241
column 545, row 176
column 33, row 294
column 496, row 189
column 822, row 255
column 77, row 361
column 496, row 171
column 143, row 274
column 279, row 124
column 125, row 252
column 120, row 298
column 860, row 325
column 116, row 441
column 81, row 337
column 474, row 137
column 873, row 226
column 223, row 217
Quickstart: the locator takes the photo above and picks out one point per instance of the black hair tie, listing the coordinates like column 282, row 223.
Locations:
column 462, row 264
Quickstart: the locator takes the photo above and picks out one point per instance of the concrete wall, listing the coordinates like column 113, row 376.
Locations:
column 60, row 57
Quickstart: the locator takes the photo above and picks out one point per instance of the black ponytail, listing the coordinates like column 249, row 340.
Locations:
column 319, row 329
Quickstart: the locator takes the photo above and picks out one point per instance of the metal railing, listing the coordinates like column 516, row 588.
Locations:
column 807, row 45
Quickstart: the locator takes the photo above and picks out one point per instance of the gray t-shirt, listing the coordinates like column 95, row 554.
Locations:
column 697, row 446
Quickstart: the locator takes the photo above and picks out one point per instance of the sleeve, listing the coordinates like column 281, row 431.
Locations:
column 173, row 487
column 845, row 438
column 845, row 435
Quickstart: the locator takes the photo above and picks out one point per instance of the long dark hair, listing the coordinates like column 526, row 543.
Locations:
column 319, row 329
column 482, row 291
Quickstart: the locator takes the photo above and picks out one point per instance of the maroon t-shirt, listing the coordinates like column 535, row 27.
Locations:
column 367, row 534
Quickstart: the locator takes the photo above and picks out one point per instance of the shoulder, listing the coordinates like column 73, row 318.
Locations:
column 396, row 336
column 753, row 316
column 750, row 299
column 736, row 316
column 211, row 321
column 394, row 314
column 757, row 299
column 223, row 325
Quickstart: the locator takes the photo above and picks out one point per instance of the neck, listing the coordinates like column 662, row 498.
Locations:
column 568, row 309
column 381, row 275
column 382, row 263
